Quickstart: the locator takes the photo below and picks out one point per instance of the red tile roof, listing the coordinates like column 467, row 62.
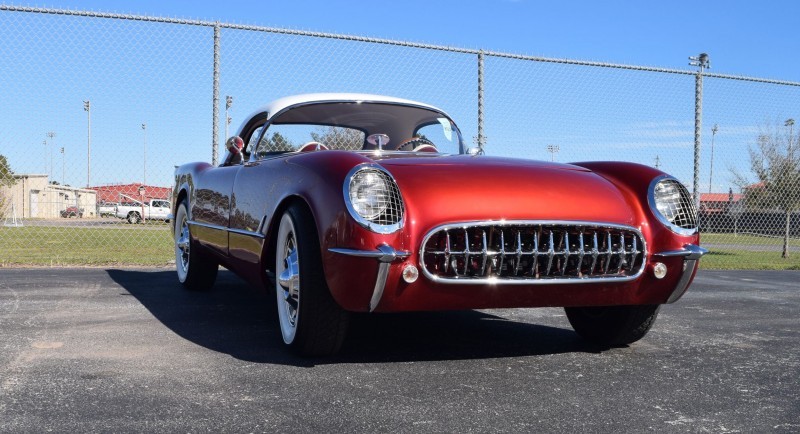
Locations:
column 117, row 193
column 719, row 197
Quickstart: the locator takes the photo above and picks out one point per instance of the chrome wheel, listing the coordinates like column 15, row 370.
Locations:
column 287, row 285
column 182, row 249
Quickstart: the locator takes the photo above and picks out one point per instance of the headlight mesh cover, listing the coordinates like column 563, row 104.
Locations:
column 375, row 198
column 675, row 204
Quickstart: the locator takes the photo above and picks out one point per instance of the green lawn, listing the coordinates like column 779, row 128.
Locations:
column 31, row 245
column 720, row 259
column 747, row 252
column 745, row 240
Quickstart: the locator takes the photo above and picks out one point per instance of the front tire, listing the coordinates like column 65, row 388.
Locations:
column 195, row 271
column 311, row 322
column 610, row 326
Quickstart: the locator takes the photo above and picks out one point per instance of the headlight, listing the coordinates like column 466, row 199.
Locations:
column 369, row 194
column 671, row 202
column 373, row 199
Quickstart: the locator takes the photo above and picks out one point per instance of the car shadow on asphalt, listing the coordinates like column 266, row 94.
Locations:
column 236, row 319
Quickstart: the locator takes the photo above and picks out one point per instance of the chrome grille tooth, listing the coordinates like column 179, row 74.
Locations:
column 519, row 253
column 551, row 252
column 634, row 253
column 608, row 252
column 595, row 253
column 502, row 252
column 484, row 255
column 466, row 251
column 447, row 251
column 622, row 254
column 581, row 253
column 535, row 267
column 566, row 253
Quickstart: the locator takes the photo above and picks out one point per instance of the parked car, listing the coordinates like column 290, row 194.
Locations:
column 72, row 211
column 156, row 209
column 107, row 209
column 361, row 203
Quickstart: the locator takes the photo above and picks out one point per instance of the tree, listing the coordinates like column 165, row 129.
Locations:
column 6, row 180
column 775, row 162
column 339, row 138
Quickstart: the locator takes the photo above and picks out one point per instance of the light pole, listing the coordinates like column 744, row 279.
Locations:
column 63, row 172
column 702, row 62
column 228, row 104
column 714, row 130
column 51, row 134
column 553, row 150
column 144, row 177
column 790, row 123
column 87, row 106
column 44, row 142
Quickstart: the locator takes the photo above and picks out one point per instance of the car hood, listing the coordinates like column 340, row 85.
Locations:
column 465, row 188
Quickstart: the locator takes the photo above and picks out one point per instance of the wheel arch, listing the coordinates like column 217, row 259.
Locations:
column 271, row 233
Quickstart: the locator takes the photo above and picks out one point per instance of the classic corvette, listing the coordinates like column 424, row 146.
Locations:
column 362, row 203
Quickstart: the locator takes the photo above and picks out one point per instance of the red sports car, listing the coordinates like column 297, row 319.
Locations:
column 363, row 203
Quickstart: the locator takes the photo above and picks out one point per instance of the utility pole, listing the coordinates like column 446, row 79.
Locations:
column 51, row 134
column 87, row 107
column 711, row 169
column 63, row 172
column 553, row 150
column 144, row 175
column 702, row 62
column 658, row 162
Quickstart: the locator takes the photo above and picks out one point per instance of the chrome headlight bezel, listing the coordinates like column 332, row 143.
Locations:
column 684, row 201
column 390, row 213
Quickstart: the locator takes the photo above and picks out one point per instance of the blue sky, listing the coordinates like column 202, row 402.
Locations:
column 743, row 37
column 159, row 74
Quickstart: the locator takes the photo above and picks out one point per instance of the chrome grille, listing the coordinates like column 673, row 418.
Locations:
column 527, row 252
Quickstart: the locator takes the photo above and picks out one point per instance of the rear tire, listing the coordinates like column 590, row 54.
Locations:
column 195, row 270
column 610, row 326
column 133, row 217
column 311, row 322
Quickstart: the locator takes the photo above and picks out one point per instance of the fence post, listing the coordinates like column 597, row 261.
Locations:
column 702, row 62
column 481, row 137
column 215, row 116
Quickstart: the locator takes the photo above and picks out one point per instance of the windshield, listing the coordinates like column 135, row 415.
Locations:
column 358, row 126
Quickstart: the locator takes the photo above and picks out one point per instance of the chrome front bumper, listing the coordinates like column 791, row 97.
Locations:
column 385, row 255
column 690, row 254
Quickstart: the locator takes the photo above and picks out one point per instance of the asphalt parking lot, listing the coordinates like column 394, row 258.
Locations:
column 93, row 350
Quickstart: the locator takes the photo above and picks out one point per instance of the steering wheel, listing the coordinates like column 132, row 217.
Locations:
column 417, row 144
column 312, row 146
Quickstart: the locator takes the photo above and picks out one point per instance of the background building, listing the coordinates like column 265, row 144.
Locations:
column 32, row 196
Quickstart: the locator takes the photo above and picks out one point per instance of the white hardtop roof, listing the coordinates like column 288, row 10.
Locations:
column 280, row 104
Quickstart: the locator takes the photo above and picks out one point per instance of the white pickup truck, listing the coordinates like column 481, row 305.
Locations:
column 157, row 209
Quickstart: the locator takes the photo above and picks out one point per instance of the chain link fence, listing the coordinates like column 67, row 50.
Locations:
column 97, row 109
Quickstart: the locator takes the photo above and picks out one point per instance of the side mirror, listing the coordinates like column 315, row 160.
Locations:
column 478, row 150
column 233, row 146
